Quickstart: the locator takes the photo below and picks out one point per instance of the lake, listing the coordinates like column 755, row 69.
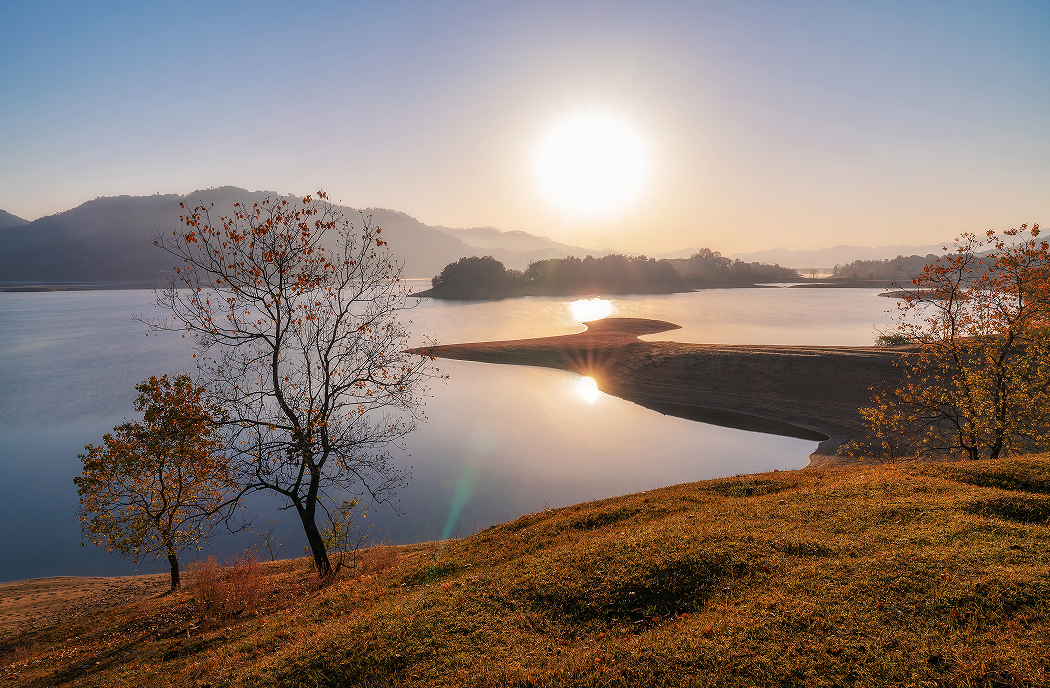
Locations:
column 501, row 441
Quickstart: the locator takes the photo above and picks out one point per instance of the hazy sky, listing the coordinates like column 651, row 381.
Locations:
column 767, row 124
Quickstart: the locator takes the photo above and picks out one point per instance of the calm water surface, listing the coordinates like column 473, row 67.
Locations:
column 501, row 440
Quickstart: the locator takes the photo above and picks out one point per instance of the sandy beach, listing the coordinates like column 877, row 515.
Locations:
column 809, row 392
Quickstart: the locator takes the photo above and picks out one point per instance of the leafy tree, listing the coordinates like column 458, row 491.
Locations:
column 295, row 318
column 158, row 487
column 476, row 277
column 706, row 266
column 609, row 274
column 978, row 381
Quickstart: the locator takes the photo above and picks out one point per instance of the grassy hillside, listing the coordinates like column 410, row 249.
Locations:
column 906, row 574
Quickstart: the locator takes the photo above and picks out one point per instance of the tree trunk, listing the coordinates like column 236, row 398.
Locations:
column 174, row 561
column 313, row 536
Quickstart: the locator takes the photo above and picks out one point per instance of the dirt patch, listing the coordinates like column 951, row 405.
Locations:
column 46, row 601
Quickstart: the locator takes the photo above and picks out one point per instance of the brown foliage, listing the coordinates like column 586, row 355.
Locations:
column 156, row 488
column 978, row 385
column 229, row 590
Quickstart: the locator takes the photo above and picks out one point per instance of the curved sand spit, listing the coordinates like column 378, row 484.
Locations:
column 809, row 392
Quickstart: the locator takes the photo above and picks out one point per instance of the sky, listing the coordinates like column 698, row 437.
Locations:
column 794, row 125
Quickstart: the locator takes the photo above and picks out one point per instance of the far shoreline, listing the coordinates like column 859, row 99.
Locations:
column 820, row 283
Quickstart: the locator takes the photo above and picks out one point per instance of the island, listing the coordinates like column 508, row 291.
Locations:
column 487, row 278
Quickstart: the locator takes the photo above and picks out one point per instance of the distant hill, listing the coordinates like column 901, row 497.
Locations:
column 9, row 220
column 516, row 249
column 838, row 255
column 680, row 253
column 516, row 240
column 109, row 239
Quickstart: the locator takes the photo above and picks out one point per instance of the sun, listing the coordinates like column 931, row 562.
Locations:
column 591, row 162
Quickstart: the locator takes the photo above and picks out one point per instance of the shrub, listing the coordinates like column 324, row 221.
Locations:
column 236, row 588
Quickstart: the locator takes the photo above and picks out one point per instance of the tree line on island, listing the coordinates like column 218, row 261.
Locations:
column 899, row 269
column 486, row 277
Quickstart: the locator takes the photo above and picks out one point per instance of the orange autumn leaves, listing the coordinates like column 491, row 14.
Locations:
column 155, row 488
column 978, row 382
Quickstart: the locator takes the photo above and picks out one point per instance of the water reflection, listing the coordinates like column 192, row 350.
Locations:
column 501, row 440
column 588, row 389
column 594, row 309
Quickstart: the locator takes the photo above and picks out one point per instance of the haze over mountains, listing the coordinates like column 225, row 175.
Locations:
column 837, row 255
column 109, row 240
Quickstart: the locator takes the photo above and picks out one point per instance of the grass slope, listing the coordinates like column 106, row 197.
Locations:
column 905, row 574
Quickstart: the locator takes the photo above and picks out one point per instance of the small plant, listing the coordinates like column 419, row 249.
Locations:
column 345, row 533
column 895, row 339
column 13, row 656
column 202, row 578
column 269, row 540
column 244, row 583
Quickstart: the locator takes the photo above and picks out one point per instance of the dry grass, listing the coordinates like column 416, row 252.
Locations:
column 228, row 591
column 906, row 574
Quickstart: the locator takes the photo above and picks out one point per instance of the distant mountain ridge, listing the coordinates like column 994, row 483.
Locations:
column 837, row 255
column 109, row 239
column 514, row 240
column 9, row 220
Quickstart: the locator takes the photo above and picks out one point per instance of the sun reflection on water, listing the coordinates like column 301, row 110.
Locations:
column 588, row 389
column 594, row 309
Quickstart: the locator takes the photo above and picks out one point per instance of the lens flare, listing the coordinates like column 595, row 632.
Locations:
column 588, row 389
column 464, row 488
column 595, row 309
column 484, row 438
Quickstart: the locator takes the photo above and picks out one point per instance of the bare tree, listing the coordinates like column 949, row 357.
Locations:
column 295, row 317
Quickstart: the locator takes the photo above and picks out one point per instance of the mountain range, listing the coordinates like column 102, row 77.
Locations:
column 9, row 220
column 109, row 239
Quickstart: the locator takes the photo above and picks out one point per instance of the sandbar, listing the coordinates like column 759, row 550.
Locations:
column 808, row 392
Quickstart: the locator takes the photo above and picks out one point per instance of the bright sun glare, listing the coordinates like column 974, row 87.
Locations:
column 595, row 309
column 591, row 162
column 588, row 389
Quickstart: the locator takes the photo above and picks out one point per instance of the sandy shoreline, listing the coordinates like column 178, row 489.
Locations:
column 41, row 602
column 810, row 392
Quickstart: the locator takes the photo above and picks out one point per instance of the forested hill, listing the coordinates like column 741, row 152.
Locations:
column 109, row 240
column 485, row 277
column 899, row 269
column 711, row 268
